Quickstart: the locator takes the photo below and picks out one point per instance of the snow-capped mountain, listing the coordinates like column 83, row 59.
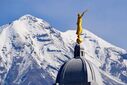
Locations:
column 32, row 51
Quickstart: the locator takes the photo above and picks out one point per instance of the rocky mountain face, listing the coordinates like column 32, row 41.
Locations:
column 32, row 51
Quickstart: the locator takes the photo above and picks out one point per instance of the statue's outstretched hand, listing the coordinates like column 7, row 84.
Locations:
column 84, row 13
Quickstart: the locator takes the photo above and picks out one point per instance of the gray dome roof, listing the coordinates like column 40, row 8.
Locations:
column 78, row 71
column 74, row 72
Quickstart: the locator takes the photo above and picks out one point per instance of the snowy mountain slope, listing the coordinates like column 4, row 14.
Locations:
column 32, row 51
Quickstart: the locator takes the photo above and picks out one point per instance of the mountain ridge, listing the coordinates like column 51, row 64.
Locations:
column 31, row 50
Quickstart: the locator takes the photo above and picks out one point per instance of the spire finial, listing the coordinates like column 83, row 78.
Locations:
column 79, row 27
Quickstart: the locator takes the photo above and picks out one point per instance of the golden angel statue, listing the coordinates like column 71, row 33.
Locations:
column 79, row 27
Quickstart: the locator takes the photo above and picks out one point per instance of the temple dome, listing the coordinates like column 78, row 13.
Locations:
column 78, row 71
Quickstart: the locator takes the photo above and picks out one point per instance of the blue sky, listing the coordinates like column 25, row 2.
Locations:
column 105, row 18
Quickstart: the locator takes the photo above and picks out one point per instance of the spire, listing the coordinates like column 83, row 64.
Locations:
column 78, row 50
